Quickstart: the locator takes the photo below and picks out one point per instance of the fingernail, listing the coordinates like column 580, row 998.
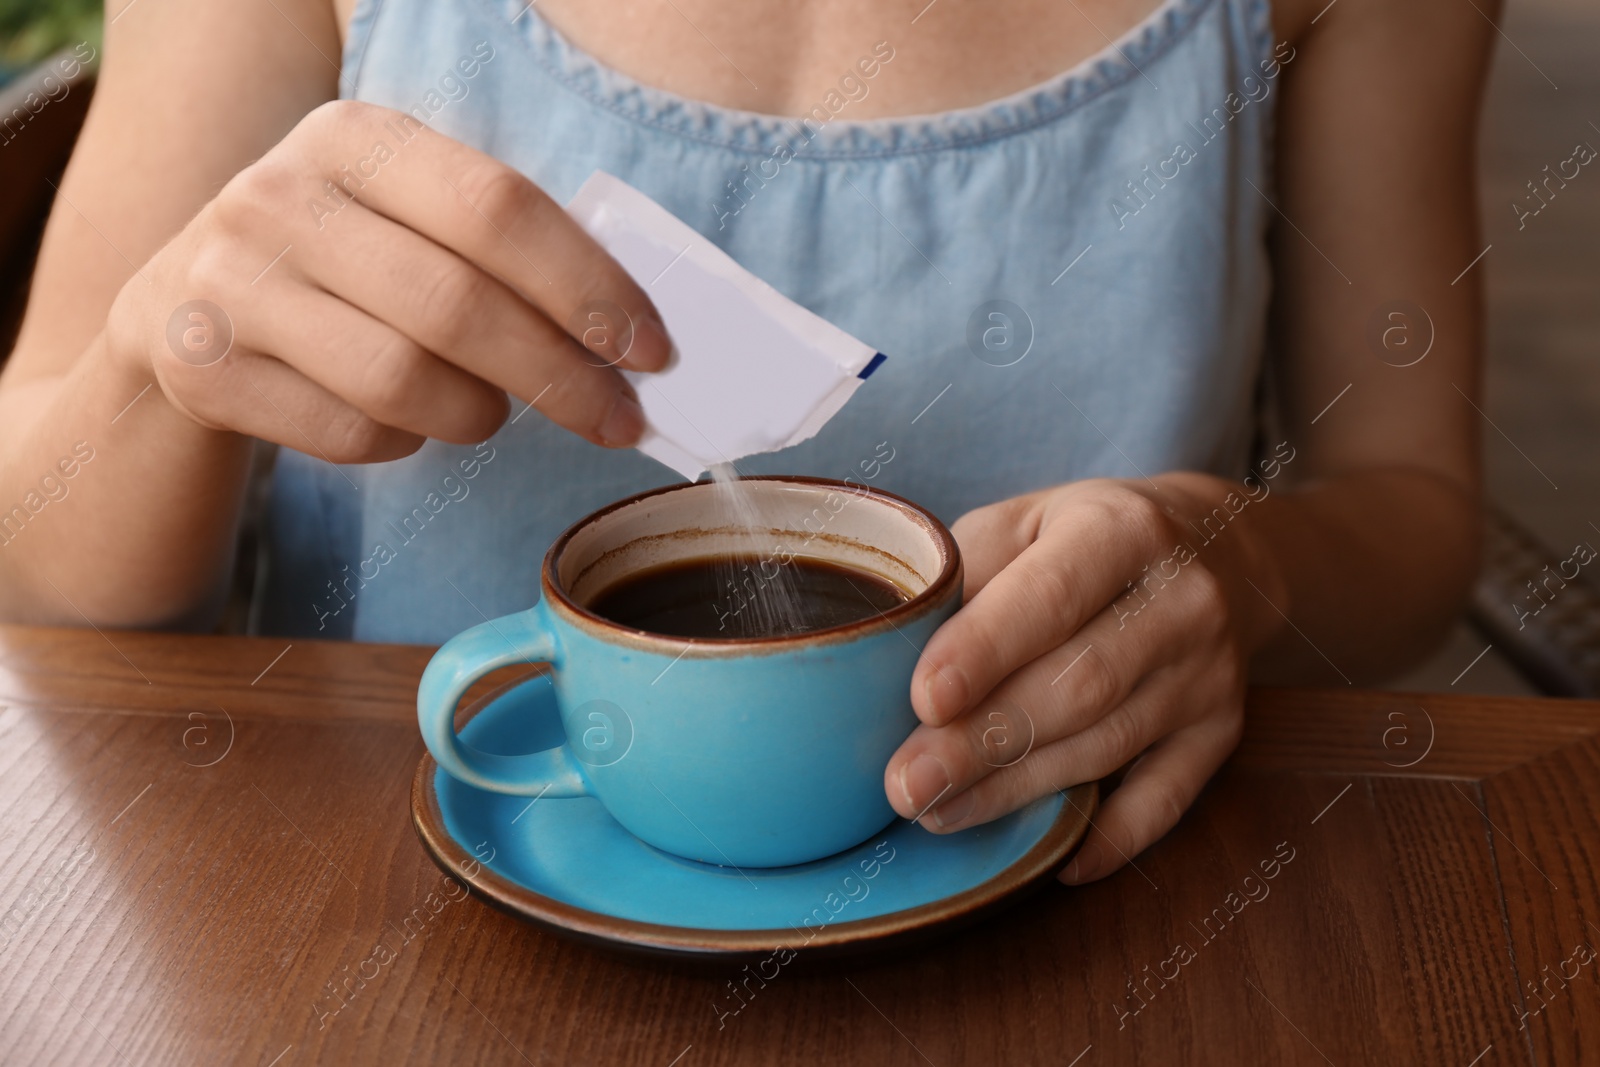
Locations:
column 922, row 780
column 1083, row 865
column 947, row 691
column 652, row 348
column 952, row 812
column 624, row 424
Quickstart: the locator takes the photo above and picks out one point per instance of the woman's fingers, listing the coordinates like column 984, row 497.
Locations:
column 254, row 394
column 1059, row 694
column 484, row 211
column 1152, row 711
column 1048, row 676
column 1153, row 796
column 1086, row 550
column 1067, row 690
column 410, row 280
column 992, row 536
column 376, row 368
column 446, row 305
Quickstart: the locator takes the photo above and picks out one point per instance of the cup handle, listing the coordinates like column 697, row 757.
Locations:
column 525, row 637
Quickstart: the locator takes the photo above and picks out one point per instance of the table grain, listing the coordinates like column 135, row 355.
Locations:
column 207, row 858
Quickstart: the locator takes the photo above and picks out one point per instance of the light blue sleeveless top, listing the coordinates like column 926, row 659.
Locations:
column 1069, row 282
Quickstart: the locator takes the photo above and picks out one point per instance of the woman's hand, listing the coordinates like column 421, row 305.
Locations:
column 1056, row 672
column 380, row 284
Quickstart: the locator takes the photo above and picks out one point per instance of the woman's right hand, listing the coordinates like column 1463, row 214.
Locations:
column 355, row 327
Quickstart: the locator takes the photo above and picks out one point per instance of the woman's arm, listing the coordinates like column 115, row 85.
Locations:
column 408, row 307
column 1377, row 143
column 188, row 94
column 1342, row 559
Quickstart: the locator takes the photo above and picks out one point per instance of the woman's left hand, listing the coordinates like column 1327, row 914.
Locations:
column 1056, row 672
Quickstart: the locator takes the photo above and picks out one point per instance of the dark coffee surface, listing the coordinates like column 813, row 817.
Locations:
column 744, row 597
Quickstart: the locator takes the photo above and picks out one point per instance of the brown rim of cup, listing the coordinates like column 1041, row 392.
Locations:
column 949, row 575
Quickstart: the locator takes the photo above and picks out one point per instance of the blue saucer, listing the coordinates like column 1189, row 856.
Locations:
column 568, row 865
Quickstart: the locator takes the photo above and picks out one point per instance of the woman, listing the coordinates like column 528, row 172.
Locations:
column 1074, row 275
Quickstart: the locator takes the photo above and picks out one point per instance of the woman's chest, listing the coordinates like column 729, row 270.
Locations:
column 776, row 56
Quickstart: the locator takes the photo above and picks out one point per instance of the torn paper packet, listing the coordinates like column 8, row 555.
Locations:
column 753, row 371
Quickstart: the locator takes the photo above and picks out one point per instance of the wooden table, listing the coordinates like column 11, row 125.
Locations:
column 205, row 836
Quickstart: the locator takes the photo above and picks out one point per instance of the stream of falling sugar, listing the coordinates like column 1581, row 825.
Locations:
column 757, row 595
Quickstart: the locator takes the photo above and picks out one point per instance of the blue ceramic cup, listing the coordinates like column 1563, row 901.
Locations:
column 738, row 752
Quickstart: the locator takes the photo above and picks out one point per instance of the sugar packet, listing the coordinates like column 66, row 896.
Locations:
column 753, row 371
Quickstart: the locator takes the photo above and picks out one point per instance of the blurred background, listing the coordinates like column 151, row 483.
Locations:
column 32, row 29
column 1542, row 406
